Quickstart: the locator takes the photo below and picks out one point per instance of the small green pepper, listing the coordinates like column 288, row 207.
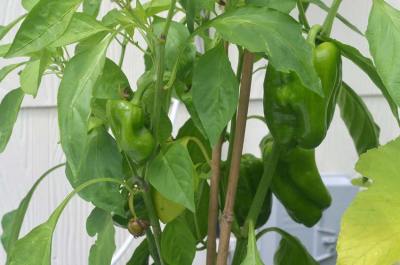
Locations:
column 127, row 124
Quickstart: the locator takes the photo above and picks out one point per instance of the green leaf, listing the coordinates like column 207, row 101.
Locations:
column 358, row 119
column 326, row 8
column 215, row 92
column 370, row 230
column 189, row 129
column 12, row 221
column 171, row 173
column 274, row 33
column 100, row 222
column 100, row 159
column 9, row 109
column 91, row 7
column 154, row 7
column 383, row 34
column 8, row 69
column 252, row 254
column 29, row 4
column 141, row 254
column 81, row 27
column 4, row 49
column 31, row 77
column 178, row 246
column 35, row 247
column 45, row 23
column 112, row 83
column 368, row 67
column 291, row 251
column 5, row 29
column 284, row 6
column 74, row 97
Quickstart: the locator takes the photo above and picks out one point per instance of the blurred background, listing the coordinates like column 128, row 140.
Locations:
column 34, row 147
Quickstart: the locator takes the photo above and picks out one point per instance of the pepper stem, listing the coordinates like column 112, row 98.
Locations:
column 313, row 33
column 327, row 26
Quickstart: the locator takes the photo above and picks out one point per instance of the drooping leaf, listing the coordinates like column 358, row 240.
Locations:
column 5, row 29
column 260, row 29
column 291, row 251
column 140, row 255
column 252, row 254
column 358, row 119
column 81, row 27
column 9, row 109
column 215, row 92
column 112, row 84
column 171, row 173
column 100, row 222
column 45, row 23
column 12, row 221
column 284, row 6
column 31, row 76
column 368, row 67
column 29, row 4
column 74, row 97
column 101, row 159
column 370, row 230
column 178, row 246
column 383, row 34
column 8, row 69
column 91, row 7
column 35, row 247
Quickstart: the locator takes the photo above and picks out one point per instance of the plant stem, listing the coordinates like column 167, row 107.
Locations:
column 327, row 26
column 313, row 33
column 302, row 14
column 227, row 217
column 123, row 50
column 269, row 170
column 155, row 225
column 213, row 202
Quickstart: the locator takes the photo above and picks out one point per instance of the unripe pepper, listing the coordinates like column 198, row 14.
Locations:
column 296, row 115
column 127, row 124
column 298, row 185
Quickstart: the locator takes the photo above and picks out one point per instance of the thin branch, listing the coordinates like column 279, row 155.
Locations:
column 227, row 217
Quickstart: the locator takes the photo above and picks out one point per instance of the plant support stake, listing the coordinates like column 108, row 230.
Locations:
column 227, row 217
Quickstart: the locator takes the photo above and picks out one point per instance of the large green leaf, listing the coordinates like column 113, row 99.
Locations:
column 215, row 92
column 112, row 84
column 45, row 23
column 101, row 159
column 358, row 119
column 368, row 67
column 252, row 254
column 284, row 6
column 74, row 97
column 35, row 247
column 31, row 77
column 100, row 222
column 141, row 254
column 370, row 231
column 171, row 173
column 81, row 27
column 9, row 109
column 5, row 29
column 12, row 221
column 4, row 49
column 383, row 36
column 178, row 246
column 274, row 33
column 91, row 7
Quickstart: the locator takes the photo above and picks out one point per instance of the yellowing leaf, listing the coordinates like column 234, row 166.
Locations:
column 370, row 232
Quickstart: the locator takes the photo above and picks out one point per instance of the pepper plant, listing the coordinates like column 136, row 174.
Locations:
column 117, row 136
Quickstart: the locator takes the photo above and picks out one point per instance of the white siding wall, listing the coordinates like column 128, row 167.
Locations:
column 34, row 145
